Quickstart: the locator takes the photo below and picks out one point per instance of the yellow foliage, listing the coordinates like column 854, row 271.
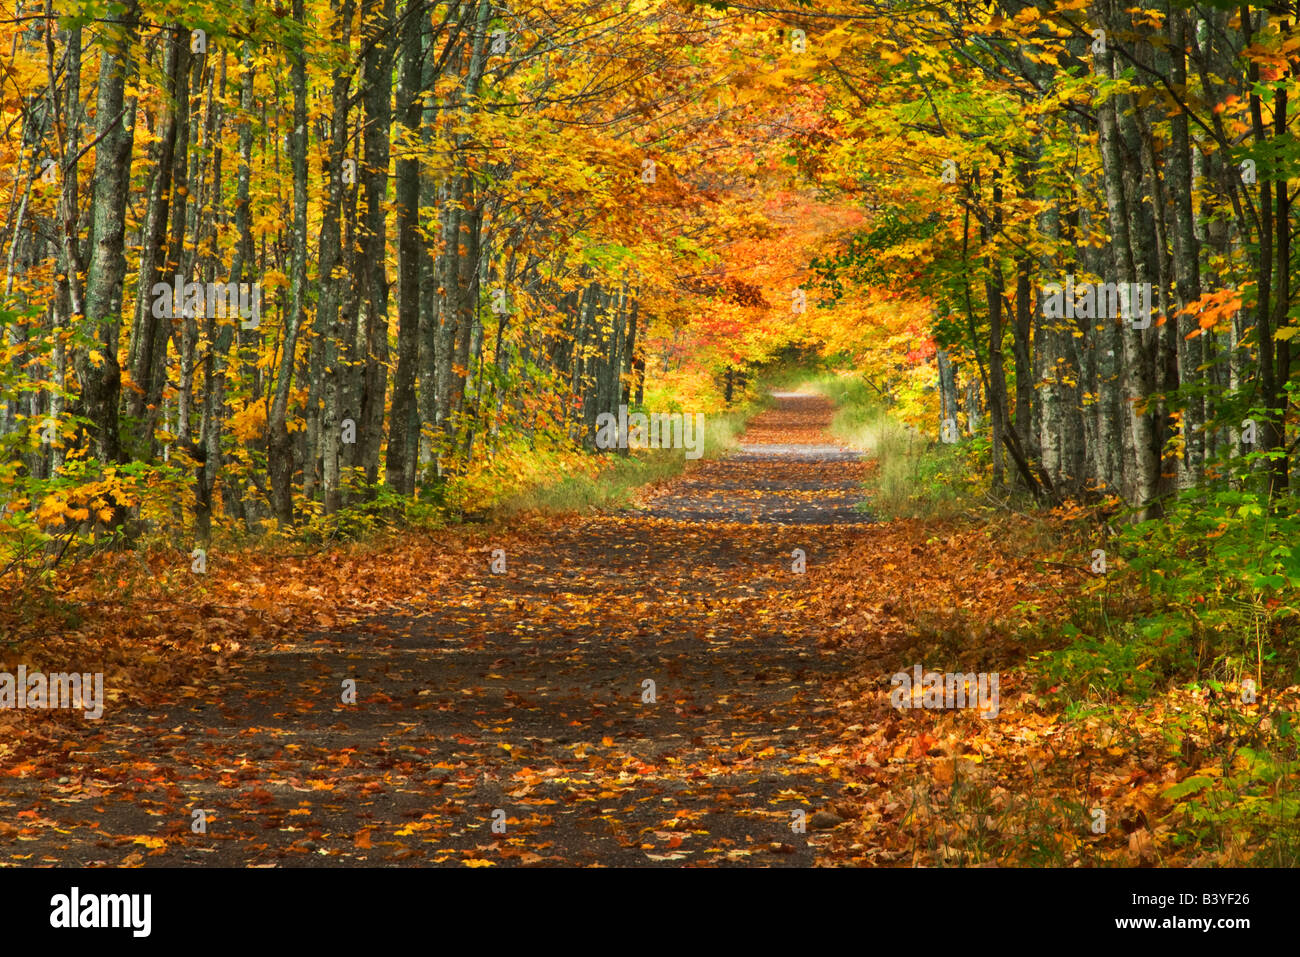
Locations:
column 249, row 423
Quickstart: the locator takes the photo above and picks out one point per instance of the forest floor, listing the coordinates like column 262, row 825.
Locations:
column 657, row 686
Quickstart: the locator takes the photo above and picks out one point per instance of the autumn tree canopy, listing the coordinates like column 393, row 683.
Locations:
column 265, row 262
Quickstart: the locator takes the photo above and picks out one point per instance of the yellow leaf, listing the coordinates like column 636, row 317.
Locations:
column 51, row 507
column 413, row 827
